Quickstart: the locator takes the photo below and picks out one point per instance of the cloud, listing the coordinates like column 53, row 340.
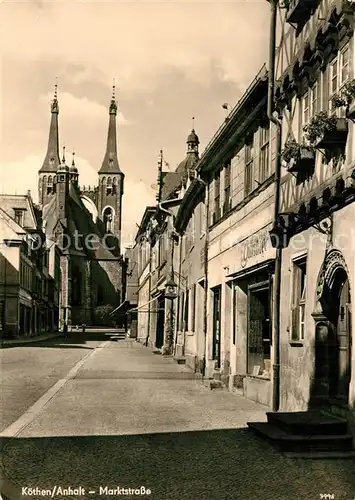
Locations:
column 82, row 109
column 137, row 41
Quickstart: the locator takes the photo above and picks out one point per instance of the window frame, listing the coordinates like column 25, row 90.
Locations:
column 264, row 153
column 227, row 198
column 248, row 165
column 299, row 298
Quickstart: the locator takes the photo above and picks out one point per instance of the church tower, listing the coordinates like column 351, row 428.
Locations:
column 111, row 179
column 51, row 161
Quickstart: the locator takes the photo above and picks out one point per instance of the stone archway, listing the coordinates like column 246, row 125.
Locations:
column 333, row 331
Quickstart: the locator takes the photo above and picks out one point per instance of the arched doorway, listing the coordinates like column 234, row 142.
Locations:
column 340, row 351
column 333, row 319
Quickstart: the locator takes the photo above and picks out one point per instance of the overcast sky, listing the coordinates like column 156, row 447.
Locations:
column 170, row 60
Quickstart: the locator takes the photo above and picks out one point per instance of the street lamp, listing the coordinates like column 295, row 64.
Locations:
column 170, row 289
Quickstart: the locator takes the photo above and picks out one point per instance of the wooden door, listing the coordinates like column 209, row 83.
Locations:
column 344, row 343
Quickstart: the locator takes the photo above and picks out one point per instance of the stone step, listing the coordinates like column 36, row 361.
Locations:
column 312, row 422
column 118, row 336
column 180, row 360
column 212, row 383
column 301, row 443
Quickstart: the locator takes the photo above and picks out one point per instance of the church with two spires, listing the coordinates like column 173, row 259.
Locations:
column 85, row 226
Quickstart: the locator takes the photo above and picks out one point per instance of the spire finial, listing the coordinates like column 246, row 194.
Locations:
column 113, row 90
column 193, row 123
column 54, row 105
column 73, row 161
column 63, row 160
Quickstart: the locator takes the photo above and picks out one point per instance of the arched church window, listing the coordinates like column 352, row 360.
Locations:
column 108, row 219
column 114, row 185
column 103, row 181
column 109, row 186
column 50, row 185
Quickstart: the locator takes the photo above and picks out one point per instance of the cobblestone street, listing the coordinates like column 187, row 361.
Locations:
column 118, row 415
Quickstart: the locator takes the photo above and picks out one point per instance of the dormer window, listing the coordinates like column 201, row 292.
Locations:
column 19, row 217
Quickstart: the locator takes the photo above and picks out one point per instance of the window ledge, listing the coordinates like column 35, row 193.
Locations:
column 296, row 343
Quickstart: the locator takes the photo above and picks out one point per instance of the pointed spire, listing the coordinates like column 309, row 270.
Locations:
column 73, row 160
column 193, row 123
column 52, row 159
column 63, row 159
column 110, row 162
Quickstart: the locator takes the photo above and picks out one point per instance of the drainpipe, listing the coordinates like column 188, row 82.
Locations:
column 278, row 259
column 149, row 293
column 178, row 315
column 205, row 266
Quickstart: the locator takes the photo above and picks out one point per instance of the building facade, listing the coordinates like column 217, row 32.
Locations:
column 29, row 271
column 316, row 97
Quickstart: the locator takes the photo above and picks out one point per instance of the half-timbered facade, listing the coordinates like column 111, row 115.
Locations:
column 315, row 97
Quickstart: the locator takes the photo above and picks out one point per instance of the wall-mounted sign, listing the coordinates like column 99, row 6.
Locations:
column 255, row 245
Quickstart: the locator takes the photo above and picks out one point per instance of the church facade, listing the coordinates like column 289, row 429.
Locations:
column 85, row 226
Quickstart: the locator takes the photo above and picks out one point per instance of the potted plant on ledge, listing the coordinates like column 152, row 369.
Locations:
column 326, row 131
column 346, row 98
column 299, row 157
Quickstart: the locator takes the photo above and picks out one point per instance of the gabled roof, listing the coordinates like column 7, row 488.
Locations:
column 8, row 227
column 11, row 202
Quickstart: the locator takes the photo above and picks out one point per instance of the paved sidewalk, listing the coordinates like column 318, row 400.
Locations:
column 127, row 417
column 29, row 340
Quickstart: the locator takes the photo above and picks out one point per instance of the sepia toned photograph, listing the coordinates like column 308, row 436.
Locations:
column 177, row 249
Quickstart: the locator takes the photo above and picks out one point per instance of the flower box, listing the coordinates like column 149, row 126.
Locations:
column 304, row 162
column 299, row 10
column 335, row 137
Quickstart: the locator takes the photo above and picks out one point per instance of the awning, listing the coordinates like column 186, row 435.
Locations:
column 267, row 264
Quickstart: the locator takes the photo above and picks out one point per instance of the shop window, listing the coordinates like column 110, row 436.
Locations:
column 216, row 326
column 299, row 280
column 249, row 160
column 259, row 331
column 264, row 153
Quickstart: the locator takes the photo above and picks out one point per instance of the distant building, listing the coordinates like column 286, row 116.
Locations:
column 83, row 225
column 29, row 270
